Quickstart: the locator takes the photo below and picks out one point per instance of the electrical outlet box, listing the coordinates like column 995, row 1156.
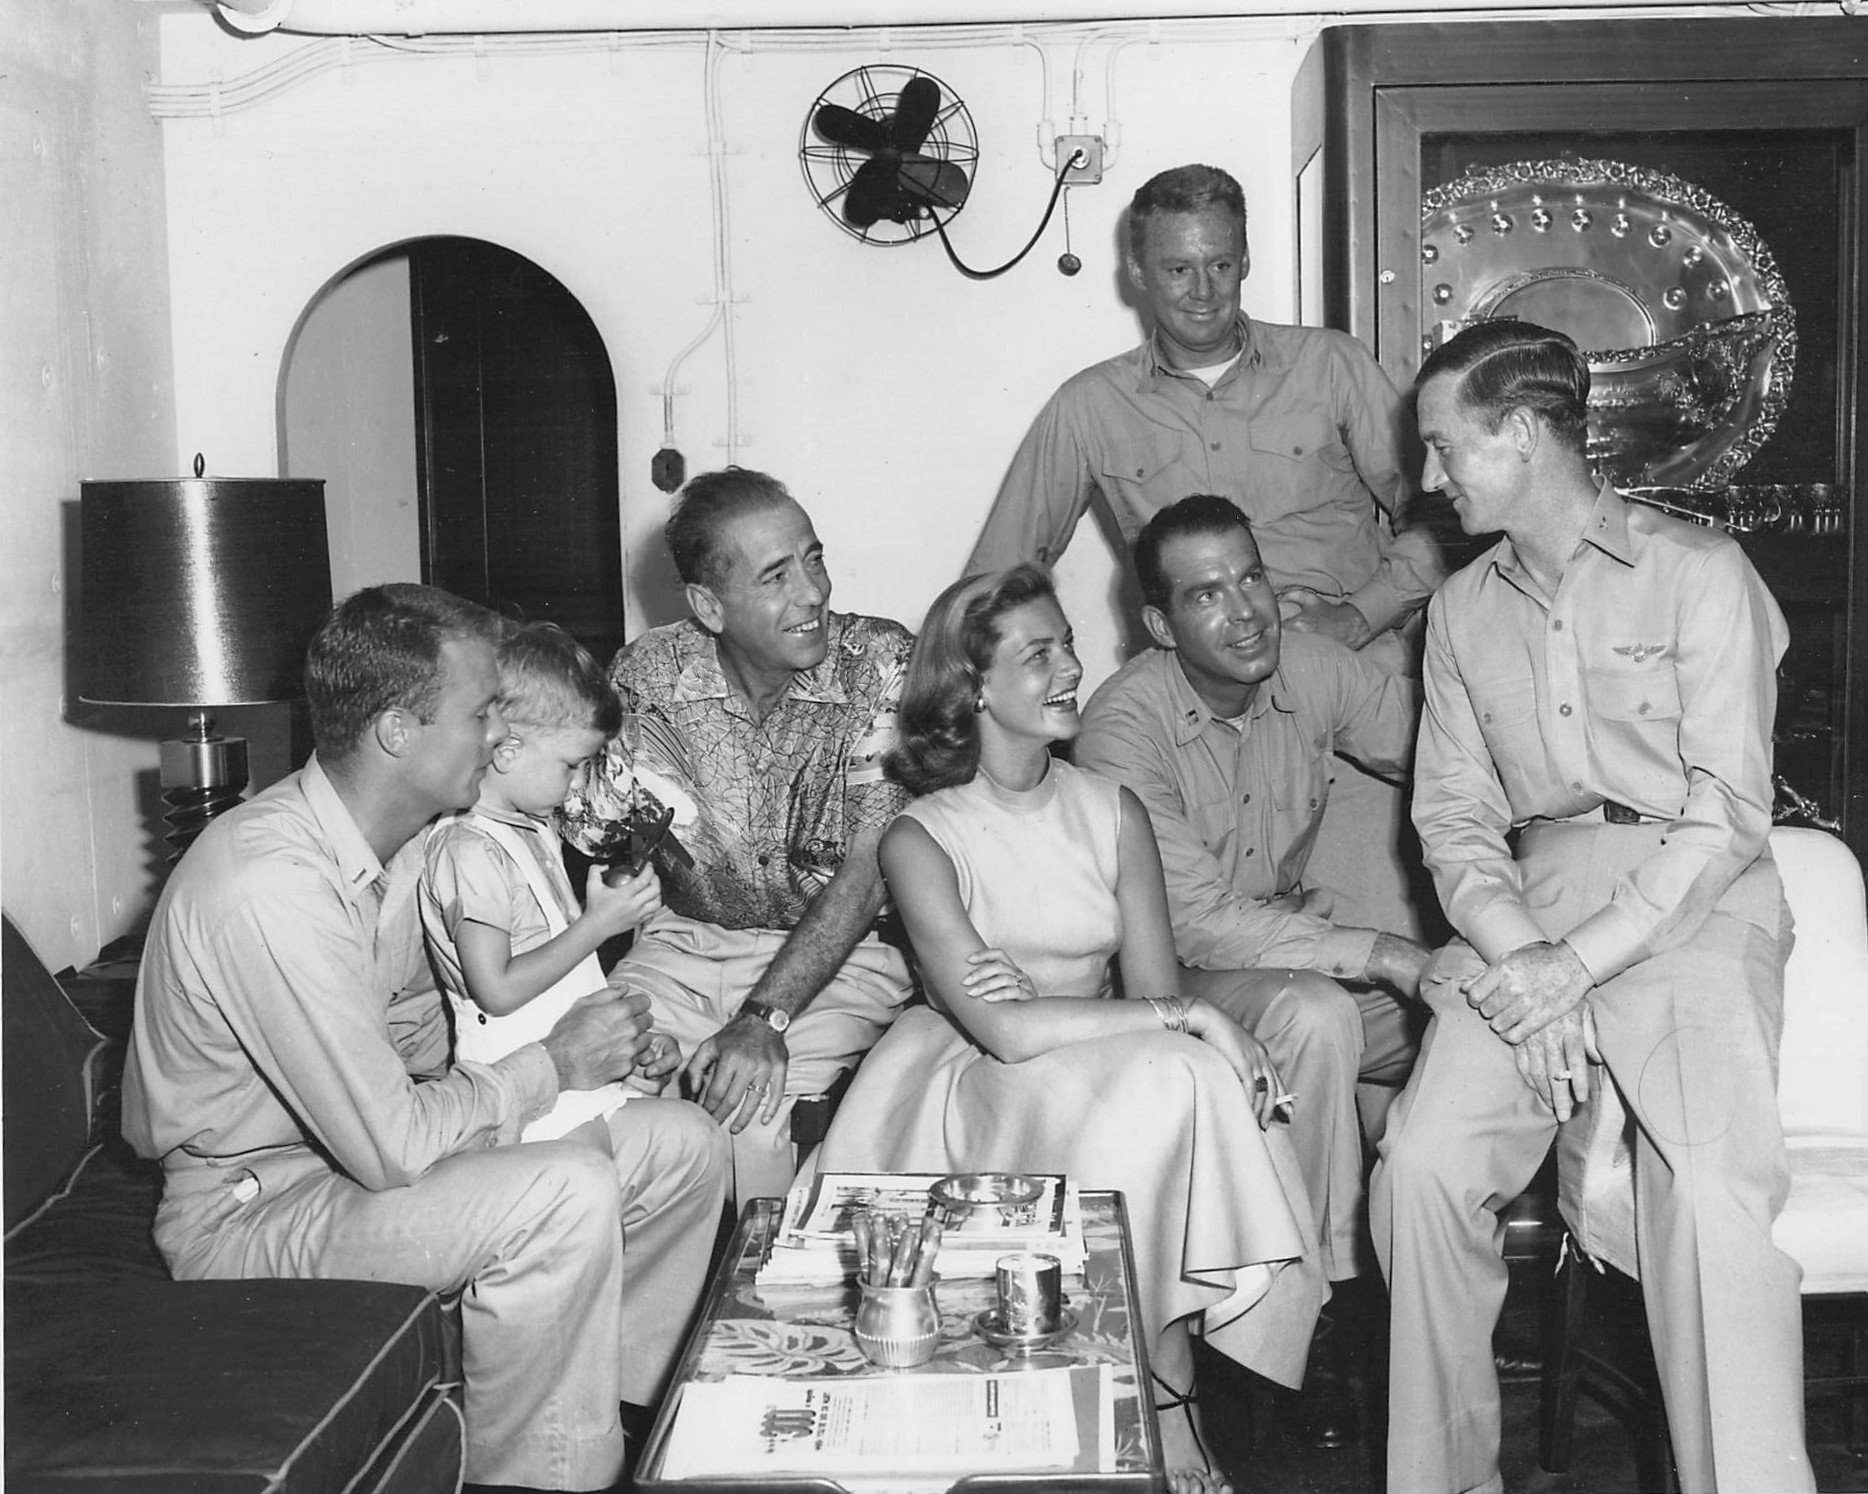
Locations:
column 1090, row 170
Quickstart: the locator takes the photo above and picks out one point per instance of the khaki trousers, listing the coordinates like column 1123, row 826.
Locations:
column 1689, row 1037
column 1323, row 1039
column 698, row 975
column 578, row 1273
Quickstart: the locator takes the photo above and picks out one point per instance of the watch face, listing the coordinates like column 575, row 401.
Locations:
column 779, row 1020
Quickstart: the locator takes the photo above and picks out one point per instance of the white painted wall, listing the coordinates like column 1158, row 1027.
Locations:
column 157, row 275
column 85, row 391
column 887, row 389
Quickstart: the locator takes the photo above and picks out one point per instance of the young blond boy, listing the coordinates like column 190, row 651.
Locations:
column 510, row 945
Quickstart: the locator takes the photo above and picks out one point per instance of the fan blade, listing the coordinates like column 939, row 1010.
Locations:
column 914, row 113
column 874, row 193
column 941, row 184
column 845, row 127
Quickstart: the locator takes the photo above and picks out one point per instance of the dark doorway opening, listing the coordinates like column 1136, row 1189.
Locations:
column 515, row 430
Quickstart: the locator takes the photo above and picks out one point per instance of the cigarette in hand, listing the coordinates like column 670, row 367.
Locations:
column 1284, row 1105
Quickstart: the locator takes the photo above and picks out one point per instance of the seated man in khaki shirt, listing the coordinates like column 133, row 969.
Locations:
column 289, row 1068
column 1226, row 733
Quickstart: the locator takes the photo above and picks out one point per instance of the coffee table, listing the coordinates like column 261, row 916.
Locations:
column 804, row 1332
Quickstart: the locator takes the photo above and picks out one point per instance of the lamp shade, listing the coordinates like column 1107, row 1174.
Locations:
column 200, row 591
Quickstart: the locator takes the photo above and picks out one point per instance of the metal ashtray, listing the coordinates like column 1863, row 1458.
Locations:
column 963, row 1196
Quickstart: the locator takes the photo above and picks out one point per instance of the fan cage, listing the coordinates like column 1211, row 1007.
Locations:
column 874, row 90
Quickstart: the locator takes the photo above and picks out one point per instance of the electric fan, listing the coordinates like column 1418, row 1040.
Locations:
column 887, row 152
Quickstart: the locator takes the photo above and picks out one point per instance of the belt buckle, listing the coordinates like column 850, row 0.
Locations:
column 1619, row 814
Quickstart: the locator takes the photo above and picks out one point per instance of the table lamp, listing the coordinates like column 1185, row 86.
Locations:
column 200, row 592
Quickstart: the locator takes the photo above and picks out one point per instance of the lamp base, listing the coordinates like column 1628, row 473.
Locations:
column 203, row 775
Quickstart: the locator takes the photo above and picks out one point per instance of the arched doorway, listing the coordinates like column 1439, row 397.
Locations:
column 460, row 405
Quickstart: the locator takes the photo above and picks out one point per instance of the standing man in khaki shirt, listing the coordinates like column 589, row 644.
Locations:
column 1299, row 427
column 1226, row 733
column 1602, row 683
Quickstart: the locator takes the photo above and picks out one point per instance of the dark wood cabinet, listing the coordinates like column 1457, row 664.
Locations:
column 1767, row 116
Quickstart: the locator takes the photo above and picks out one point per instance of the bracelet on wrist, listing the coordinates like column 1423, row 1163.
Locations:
column 1171, row 1010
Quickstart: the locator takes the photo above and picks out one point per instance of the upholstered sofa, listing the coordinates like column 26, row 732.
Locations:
column 119, row 1377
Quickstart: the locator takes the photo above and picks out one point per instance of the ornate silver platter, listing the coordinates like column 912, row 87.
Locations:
column 1688, row 326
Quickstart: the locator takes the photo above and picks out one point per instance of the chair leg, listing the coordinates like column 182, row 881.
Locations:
column 1563, row 1322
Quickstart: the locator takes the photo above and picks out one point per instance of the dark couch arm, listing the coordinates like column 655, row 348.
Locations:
column 117, row 1376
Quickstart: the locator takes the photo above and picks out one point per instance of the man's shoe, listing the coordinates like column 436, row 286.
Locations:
column 1325, row 1413
column 1517, row 1361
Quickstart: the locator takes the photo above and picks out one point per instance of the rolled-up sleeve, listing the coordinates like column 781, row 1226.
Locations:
column 1411, row 566
column 1044, row 494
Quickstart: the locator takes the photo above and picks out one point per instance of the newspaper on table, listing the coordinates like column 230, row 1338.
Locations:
column 815, row 1241
column 907, row 1432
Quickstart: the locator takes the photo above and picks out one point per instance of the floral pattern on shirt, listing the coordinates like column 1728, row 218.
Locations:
column 775, row 802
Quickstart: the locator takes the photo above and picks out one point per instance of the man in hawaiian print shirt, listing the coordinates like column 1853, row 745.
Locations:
column 762, row 721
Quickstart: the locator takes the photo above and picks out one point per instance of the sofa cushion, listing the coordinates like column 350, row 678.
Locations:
column 49, row 1082
column 95, row 1228
column 214, row 1387
column 428, row 1459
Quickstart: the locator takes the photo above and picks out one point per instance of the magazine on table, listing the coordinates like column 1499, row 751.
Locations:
column 905, row 1432
column 816, row 1240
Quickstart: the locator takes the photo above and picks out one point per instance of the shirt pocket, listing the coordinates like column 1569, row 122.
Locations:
column 1300, row 454
column 1142, row 476
column 1637, row 697
column 1299, row 800
column 1215, row 816
column 1635, row 716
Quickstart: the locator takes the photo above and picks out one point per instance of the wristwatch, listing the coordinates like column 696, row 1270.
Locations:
column 774, row 1017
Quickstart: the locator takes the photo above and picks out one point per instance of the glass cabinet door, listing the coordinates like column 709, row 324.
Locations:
column 1685, row 199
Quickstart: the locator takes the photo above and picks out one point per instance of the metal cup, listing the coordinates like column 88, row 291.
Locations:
column 897, row 1327
column 1031, row 1293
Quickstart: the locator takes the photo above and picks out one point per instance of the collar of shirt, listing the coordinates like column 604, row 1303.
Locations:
column 516, row 818
column 1251, row 354
column 357, row 863
column 1607, row 530
column 1190, row 714
column 701, row 677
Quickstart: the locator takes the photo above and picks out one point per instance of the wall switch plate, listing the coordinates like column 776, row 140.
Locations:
column 1090, row 172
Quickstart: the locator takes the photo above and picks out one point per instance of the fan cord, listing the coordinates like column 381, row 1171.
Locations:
column 1057, row 190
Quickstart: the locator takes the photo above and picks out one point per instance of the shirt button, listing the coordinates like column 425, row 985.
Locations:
column 1313, row 803
column 1246, row 800
column 1563, row 710
column 1297, row 451
column 764, row 860
column 1577, row 786
column 1643, row 709
column 1249, row 850
column 1215, row 446
column 1141, row 471
column 1557, row 625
